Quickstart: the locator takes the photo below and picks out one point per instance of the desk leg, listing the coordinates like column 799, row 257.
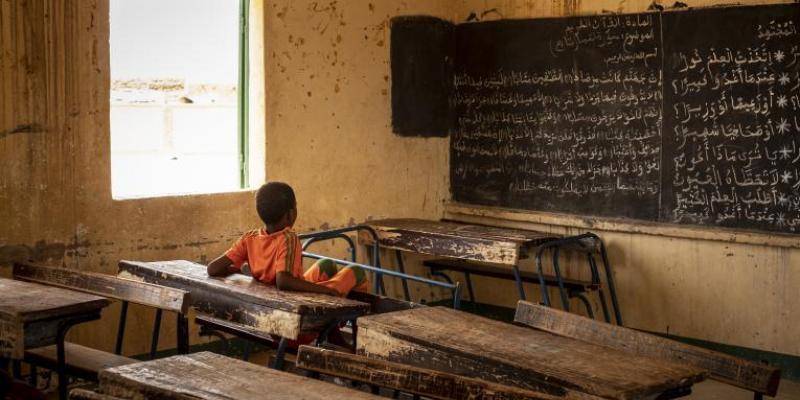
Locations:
column 183, row 334
column 61, row 335
column 62, row 368
column 561, row 290
column 16, row 369
column 280, row 354
column 469, row 287
column 156, row 331
column 33, row 378
column 518, row 279
column 123, row 316
column 401, row 266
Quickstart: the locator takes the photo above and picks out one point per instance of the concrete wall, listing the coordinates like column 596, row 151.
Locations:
column 327, row 91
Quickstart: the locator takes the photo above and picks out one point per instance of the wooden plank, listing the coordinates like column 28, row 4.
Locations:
column 421, row 381
column 465, row 344
column 721, row 367
column 242, row 300
column 25, row 301
column 162, row 297
column 82, row 361
column 209, row 376
column 449, row 239
column 84, row 394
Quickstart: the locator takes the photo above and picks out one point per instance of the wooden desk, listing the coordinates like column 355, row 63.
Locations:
column 210, row 376
column 243, row 300
column 464, row 344
column 450, row 239
column 33, row 315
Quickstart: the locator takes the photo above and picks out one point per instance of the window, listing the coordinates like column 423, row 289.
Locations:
column 179, row 97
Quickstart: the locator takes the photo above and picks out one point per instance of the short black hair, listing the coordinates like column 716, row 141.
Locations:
column 273, row 201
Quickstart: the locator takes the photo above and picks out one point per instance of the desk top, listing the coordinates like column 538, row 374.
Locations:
column 210, row 376
column 242, row 300
column 28, row 302
column 465, row 344
column 239, row 286
column 458, row 240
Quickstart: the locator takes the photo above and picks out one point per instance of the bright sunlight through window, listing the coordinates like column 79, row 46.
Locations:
column 178, row 97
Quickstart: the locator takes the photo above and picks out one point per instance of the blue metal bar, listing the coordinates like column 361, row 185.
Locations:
column 348, row 239
column 378, row 286
column 455, row 287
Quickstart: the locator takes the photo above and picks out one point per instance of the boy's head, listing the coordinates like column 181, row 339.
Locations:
column 276, row 204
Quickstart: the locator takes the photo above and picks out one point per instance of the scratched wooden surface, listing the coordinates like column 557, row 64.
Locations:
column 722, row 367
column 242, row 300
column 210, row 376
column 465, row 344
column 29, row 313
column 409, row 379
column 162, row 297
column 451, row 239
column 86, row 394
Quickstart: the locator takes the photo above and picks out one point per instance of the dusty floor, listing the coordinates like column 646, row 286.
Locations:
column 713, row 390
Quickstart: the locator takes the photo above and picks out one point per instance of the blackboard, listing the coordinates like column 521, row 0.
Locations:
column 421, row 61
column 559, row 115
column 732, row 130
column 688, row 117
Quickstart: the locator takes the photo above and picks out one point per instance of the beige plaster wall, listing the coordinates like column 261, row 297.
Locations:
column 327, row 100
column 327, row 129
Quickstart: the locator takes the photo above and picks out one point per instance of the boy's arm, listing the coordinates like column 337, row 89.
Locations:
column 285, row 281
column 220, row 266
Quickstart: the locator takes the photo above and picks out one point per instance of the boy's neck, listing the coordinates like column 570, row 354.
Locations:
column 275, row 228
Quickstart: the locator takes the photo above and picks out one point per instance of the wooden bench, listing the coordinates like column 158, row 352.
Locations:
column 208, row 376
column 85, row 362
column 468, row 345
column 761, row 379
column 419, row 381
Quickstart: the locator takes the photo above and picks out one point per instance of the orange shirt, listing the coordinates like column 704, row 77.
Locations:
column 268, row 253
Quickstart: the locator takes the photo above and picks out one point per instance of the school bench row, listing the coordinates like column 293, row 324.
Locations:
column 564, row 355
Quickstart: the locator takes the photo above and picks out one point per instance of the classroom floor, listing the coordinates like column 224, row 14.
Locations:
column 713, row 390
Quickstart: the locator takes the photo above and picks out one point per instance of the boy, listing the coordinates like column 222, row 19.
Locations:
column 274, row 253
